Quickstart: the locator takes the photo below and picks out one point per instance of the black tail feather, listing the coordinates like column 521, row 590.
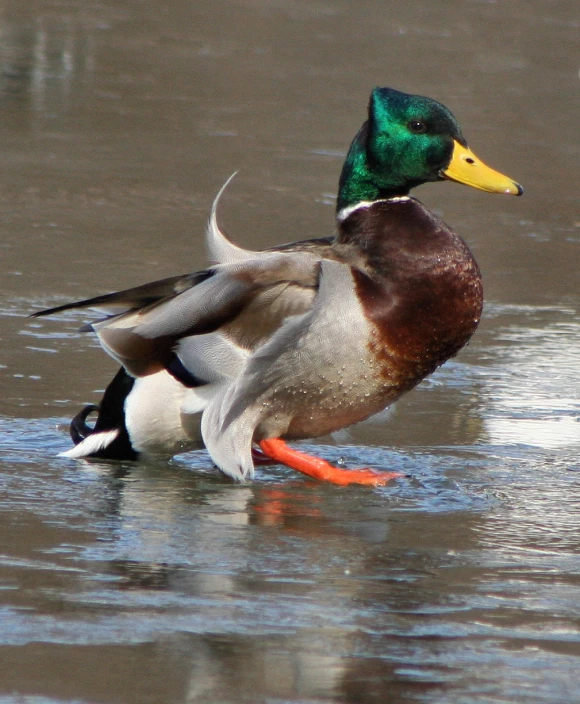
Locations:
column 111, row 417
column 79, row 430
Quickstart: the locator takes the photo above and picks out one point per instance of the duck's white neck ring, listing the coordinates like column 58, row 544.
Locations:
column 342, row 215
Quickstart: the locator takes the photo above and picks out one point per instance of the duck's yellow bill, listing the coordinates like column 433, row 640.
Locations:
column 466, row 168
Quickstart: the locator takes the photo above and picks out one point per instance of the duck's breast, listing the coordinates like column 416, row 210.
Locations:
column 421, row 289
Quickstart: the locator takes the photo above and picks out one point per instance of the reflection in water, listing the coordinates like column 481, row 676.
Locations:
column 40, row 63
column 288, row 574
column 53, row 62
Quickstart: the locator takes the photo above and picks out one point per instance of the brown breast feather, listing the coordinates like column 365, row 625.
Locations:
column 421, row 287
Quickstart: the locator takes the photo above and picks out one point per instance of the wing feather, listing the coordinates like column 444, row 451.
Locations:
column 221, row 249
column 137, row 297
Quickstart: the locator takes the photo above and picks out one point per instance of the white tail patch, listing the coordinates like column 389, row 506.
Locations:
column 90, row 445
column 153, row 416
column 221, row 249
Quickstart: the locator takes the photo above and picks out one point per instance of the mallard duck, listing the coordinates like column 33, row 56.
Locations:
column 306, row 338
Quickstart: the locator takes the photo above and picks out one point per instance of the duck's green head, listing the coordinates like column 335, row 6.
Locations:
column 408, row 140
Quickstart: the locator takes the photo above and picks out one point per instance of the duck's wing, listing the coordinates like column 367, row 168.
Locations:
column 248, row 299
column 238, row 300
column 133, row 298
column 224, row 312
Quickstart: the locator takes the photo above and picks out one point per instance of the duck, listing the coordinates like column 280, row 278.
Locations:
column 298, row 341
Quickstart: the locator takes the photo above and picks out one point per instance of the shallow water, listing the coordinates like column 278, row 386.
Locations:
column 162, row 582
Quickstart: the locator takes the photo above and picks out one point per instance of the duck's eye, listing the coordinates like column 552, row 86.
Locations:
column 417, row 126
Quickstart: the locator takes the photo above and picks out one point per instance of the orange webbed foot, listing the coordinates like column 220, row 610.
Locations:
column 320, row 469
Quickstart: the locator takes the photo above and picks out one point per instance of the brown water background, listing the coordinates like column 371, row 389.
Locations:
column 163, row 583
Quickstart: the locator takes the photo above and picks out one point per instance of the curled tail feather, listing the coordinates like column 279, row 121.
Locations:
column 108, row 439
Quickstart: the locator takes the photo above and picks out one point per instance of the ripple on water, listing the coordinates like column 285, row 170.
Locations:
column 532, row 392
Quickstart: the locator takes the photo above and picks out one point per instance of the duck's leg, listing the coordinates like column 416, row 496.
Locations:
column 321, row 469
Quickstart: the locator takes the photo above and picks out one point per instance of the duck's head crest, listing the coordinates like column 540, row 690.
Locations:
column 406, row 141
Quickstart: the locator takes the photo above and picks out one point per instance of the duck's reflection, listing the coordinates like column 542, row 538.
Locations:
column 276, row 586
